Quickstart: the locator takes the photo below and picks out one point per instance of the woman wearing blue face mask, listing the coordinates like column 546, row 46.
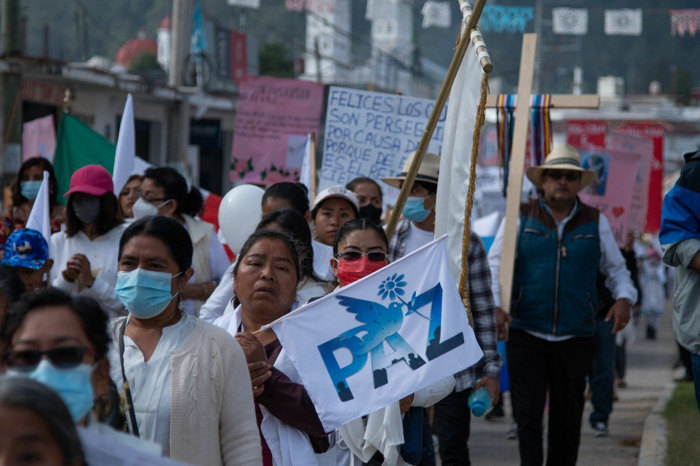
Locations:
column 61, row 341
column 24, row 192
column 188, row 387
column 84, row 253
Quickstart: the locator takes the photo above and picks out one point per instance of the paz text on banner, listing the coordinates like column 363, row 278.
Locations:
column 372, row 134
column 274, row 117
column 381, row 338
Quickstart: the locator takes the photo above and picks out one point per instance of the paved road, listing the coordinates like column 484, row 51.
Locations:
column 649, row 373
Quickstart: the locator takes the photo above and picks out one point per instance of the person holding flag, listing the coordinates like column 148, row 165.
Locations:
column 360, row 248
column 265, row 280
column 24, row 193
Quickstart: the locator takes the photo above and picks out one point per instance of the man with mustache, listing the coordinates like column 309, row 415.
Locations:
column 562, row 243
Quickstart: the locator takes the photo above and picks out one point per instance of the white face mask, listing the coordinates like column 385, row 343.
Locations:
column 142, row 208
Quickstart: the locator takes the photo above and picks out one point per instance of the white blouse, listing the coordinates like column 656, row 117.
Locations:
column 149, row 381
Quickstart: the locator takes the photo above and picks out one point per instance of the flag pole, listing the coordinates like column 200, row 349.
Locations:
column 312, row 166
column 462, row 45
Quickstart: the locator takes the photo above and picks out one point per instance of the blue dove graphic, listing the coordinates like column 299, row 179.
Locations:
column 380, row 322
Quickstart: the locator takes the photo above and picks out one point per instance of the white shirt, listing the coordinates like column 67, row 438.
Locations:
column 102, row 252
column 218, row 267
column 214, row 307
column 612, row 265
column 322, row 261
column 150, row 381
column 415, row 238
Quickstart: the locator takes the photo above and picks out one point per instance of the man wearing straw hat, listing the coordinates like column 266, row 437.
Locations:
column 562, row 243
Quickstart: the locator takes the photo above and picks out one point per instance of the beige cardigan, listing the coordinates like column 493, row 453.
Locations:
column 212, row 416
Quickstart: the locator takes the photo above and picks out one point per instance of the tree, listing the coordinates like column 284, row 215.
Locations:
column 274, row 62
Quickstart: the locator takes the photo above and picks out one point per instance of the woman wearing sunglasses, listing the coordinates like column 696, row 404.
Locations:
column 60, row 341
column 187, row 385
column 360, row 248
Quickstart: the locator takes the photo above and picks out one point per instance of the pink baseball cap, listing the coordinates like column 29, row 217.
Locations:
column 91, row 179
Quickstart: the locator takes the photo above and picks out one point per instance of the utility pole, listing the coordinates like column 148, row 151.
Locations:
column 10, row 89
column 181, row 40
column 181, row 34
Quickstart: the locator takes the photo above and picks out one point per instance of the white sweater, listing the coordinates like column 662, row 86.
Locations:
column 212, row 417
column 102, row 252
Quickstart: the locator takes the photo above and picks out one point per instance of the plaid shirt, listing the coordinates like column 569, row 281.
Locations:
column 397, row 245
column 482, row 306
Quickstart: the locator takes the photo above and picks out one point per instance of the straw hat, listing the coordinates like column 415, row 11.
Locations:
column 564, row 157
column 428, row 170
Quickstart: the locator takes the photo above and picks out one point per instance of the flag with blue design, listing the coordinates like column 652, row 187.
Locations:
column 384, row 337
column 199, row 37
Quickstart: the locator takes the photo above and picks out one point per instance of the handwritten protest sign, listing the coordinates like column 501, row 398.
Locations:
column 655, row 132
column 274, row 117
column 644, row 148
column 372, row 134
column 613, row 189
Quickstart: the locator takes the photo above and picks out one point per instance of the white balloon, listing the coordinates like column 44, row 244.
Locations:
column 239, row 213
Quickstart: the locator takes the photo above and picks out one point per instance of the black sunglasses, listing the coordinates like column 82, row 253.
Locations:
column 351, row 256
column 557, row 175
column 63, row 357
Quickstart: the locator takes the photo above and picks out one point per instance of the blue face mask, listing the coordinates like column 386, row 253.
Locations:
column 144, row 293
column 73, row 385
column 414, row 210
column 29, row 189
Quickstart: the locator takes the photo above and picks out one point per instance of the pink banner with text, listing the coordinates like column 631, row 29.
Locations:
column 273, row 119
column 39, row 138
column 612, row 192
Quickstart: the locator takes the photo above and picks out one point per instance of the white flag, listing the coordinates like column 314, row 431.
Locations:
column 245, row 3
column 624, row 22
column 388, row 335
column 455, row 161
column 572, row 21
column 40, row 217
column 380, row 9
column 436, row 14
column 125, row 154
column 305, row 177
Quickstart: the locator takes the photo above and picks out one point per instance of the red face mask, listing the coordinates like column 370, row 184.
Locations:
column 351, row 271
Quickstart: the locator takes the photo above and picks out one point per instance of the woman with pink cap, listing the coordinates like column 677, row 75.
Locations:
column 85, row 253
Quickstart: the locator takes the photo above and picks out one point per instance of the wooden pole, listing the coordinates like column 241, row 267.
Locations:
column 444, row 93
column 517, row 167
column 477, row 39
column 312, row 166
column 558, row 101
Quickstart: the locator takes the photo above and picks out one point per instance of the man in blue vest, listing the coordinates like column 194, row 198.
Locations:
column 562, row 243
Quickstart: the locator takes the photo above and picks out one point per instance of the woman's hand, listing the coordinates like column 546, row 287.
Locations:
column 259, row 373
column 252, row 348
column 405, row 403
column 79, row 266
